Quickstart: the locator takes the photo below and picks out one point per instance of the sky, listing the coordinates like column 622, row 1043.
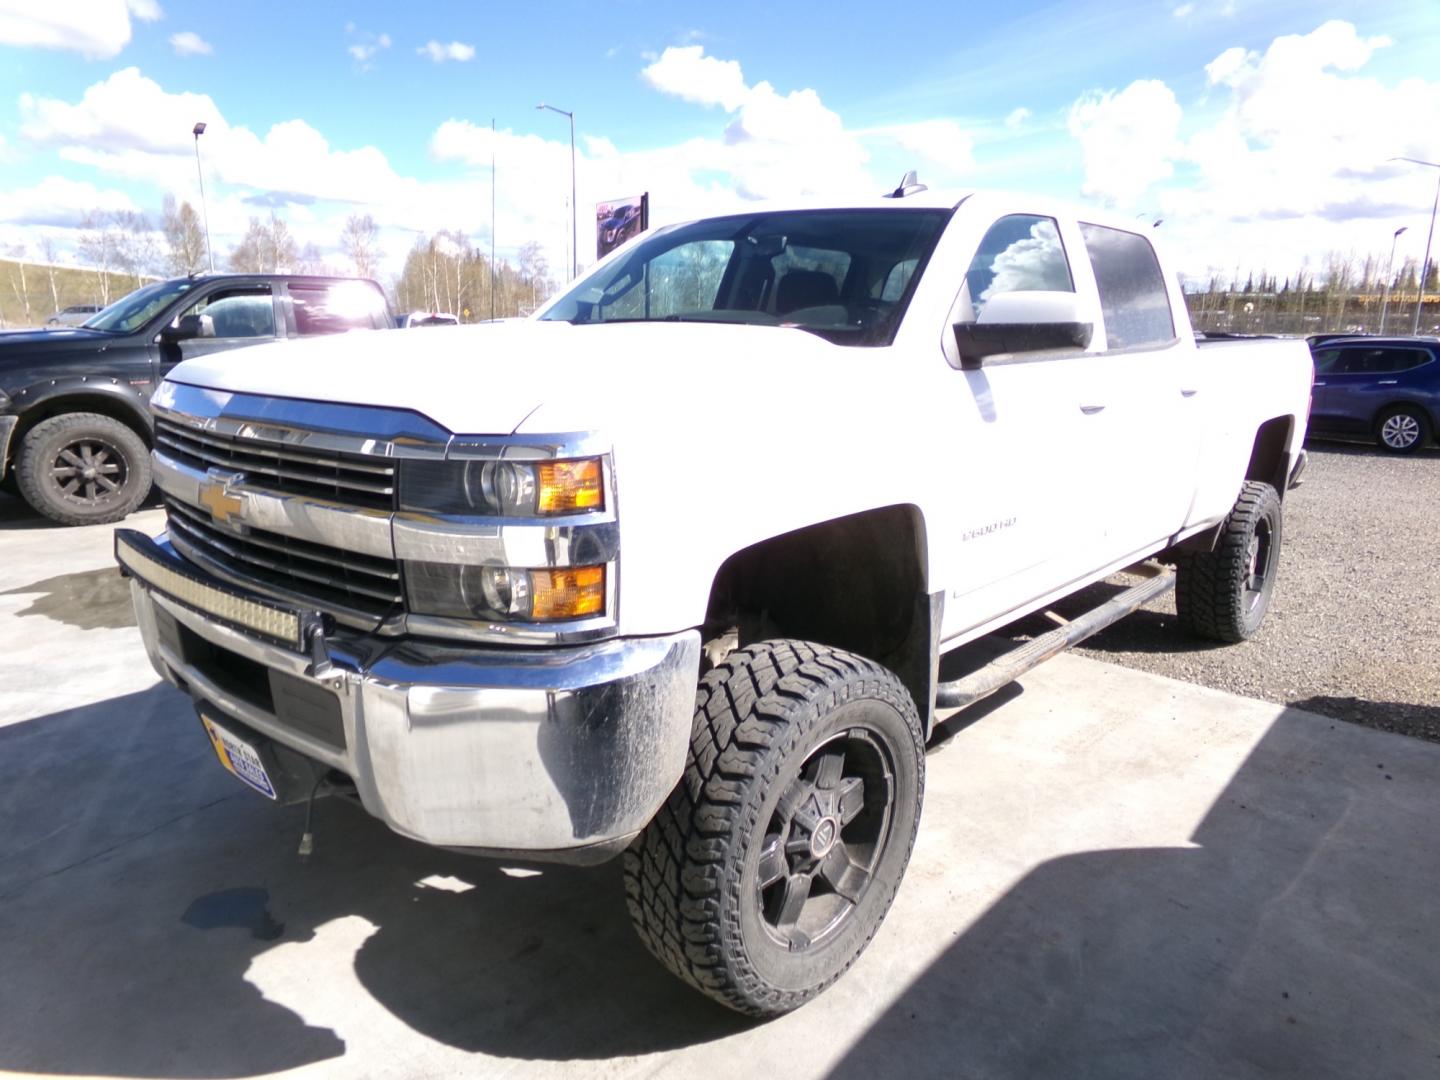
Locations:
column 1259, row 131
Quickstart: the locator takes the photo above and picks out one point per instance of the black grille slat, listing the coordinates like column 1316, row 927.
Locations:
column 283, row 468
column 313, row 572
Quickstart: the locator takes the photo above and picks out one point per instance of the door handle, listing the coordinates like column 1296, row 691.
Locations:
column 1188, row 393
column 1317, row 384
column 1387, row 382
column 1091, row 410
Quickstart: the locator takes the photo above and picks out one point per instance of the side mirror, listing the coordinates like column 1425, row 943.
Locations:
column 189, row 327
column 1022, row 322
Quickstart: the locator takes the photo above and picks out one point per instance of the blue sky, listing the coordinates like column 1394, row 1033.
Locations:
column 1258, row 130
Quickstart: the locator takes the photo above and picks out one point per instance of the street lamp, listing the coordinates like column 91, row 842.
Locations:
column 1389, row 270
column 1429, row 239
column 574, row 232
column 197, row 131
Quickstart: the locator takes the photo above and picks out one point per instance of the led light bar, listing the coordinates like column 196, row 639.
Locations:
column 277, row 623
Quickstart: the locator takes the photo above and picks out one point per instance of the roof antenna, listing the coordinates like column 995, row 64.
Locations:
column 908, row 186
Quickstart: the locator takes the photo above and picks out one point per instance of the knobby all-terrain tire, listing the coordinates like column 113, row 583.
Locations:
column 1402, row 429
column 1223, row 594
column 83, row 469
column 776, row 723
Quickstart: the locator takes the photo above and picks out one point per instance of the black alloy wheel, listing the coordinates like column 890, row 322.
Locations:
column 89, row 472
column 771, row 866
column 825, row 839
column 83, row 469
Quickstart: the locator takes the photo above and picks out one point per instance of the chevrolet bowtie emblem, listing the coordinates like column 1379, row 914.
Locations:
column 215, row 496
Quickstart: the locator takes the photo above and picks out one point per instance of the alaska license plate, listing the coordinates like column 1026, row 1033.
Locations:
column 239, row 757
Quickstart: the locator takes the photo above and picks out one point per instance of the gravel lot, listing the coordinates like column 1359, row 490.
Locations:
column 1352, row 629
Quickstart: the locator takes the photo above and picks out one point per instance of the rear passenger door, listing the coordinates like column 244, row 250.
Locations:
column 1142, row 393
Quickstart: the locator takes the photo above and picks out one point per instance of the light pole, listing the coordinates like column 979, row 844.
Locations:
column 574, row 232
column 1389, row 270
column 197, row 131
column 1429, row 238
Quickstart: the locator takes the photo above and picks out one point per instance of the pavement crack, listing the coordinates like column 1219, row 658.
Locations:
column 13, row 893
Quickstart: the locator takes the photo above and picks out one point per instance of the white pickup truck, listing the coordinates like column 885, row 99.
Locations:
column 667, row 569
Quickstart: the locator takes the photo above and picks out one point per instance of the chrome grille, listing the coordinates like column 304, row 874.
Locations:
column 352, row 479
column 328, row 577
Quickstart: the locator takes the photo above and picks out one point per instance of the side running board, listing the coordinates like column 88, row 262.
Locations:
column 1009, row 666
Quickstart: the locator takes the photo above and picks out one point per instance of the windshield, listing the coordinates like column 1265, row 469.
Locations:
column 843, row 274
column 133, row 311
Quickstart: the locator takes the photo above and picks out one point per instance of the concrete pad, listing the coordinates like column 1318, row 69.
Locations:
column 1117, row 875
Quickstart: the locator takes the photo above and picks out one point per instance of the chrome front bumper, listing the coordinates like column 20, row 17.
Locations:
column 553, row 753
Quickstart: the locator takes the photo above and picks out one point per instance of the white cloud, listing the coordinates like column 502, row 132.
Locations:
column 189, row 43
column 59, row 201
column 775, row 145
column 1017, row 117
column 145, row 10
column 1183, row 11
column 97, row 29
column 687, row 73
column 439, row 53
column 367, row 47
column 1294, row 164
column 129, row 126
column 1128, row 140
column 943, row 143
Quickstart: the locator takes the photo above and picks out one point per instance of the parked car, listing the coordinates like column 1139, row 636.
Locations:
column 426, row 318
column 669, row 576
column 75, row 425
column 73, row 315
column 1385, row 389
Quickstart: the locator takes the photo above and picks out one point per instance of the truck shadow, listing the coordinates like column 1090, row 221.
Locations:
column 155, row 922
column 142, row 892
column 1287, row 942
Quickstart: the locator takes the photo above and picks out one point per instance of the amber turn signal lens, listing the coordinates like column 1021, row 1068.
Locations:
column 567, row 594
column 570, row 485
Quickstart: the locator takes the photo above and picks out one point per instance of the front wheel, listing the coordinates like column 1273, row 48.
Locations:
column 1224, row 594
column 1403, row 429
column 83, row 469
column 773, row 863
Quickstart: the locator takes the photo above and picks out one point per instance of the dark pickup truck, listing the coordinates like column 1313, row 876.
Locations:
column 75, row 427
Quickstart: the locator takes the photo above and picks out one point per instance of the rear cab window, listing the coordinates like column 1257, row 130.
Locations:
column 1133, row 299
column 333, row 307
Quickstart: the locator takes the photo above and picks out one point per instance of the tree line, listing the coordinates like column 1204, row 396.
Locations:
column 123, row 249
column 1344, row 293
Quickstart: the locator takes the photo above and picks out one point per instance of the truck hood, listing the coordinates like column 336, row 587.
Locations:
column 61, row 337
column 550, row 377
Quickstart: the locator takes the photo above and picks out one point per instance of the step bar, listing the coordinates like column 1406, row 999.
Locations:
column 1009, row 666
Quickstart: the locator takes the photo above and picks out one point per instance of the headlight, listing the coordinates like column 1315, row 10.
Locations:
column 504, row 488
column 505, row 593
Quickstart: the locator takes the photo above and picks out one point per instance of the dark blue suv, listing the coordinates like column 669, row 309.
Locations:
column 1387, row 389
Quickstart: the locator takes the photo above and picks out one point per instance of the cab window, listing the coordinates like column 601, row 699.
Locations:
column 1133, row 299
column 333, row 307
column 242, row 312
column 1020, row 253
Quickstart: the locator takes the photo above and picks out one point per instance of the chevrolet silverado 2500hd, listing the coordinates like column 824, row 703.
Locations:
column 666, row 570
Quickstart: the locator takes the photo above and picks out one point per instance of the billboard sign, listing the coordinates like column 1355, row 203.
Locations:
column 618, row 220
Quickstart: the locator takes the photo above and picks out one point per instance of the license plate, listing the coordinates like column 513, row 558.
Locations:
column 239, row 757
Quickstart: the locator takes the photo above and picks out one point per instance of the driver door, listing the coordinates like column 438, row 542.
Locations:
column 227, row 318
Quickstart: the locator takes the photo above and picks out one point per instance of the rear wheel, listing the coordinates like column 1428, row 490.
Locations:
column 1403, row 429
column 83, row 469
column 1224, row 594
column 773, row 863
